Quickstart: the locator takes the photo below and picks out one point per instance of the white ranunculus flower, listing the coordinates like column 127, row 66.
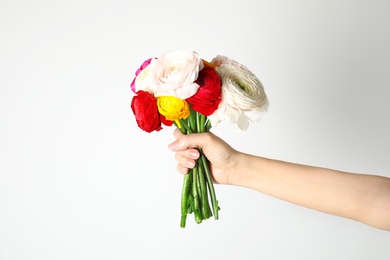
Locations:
column 175, row 72
column 243, row 97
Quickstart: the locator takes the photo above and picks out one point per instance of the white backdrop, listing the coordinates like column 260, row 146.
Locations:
column 80, row 180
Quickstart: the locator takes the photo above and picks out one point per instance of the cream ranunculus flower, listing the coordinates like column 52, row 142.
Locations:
column 175, row 72
column 220, row 59
column 243, row 97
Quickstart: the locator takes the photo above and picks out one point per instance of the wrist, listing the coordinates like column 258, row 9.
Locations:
column 238, row 171
column 246, row 171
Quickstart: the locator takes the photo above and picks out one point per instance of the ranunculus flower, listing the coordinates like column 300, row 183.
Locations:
column 218, row 60
column 166, row 121
column 145, row 110
column 243, row 97
column 175, row 72
column 173, row 108
column 208, row 97
column 142, row 80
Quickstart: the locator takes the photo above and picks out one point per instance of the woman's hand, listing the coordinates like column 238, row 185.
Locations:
column 222, row 157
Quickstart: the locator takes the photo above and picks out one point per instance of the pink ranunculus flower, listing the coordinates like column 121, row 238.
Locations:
column 243, row 97
column 175, row 72
column 141, row 80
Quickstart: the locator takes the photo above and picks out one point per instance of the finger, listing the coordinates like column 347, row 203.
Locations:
column 184, row 142
column 174, row 146
column 181, row 169
column 185, row 161
column 190, row 153
column 177, row 134
column 180, row 144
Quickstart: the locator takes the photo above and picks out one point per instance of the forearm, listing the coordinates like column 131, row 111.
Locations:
column 364, row 198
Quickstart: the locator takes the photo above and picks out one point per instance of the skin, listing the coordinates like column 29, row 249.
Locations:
column 361, row 197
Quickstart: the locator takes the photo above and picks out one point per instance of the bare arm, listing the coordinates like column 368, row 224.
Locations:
column 361, row 197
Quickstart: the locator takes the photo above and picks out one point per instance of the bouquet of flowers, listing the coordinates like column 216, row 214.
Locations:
column 179, row 88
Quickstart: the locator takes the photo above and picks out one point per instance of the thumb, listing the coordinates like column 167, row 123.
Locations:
column 183, row 142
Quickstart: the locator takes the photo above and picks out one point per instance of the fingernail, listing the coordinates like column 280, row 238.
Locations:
column 194, row 154
column 191, row 164
column 172, row 146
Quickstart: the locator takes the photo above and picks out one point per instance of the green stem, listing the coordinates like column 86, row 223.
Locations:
column 183, row 130
column 197, row 184
column 203, row 191
column 185, row 126
column 191, row 120
column 198, row 125
column 185, row 189
column 196, row 195
column 190, row 203
column 214, row 200
column 207, row 125
column 183, row 221
column 184, row 198
column 202, row 122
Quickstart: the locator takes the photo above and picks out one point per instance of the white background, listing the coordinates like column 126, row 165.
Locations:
column 80, row 180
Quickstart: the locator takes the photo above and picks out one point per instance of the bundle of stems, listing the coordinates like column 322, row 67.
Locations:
column 198, row 188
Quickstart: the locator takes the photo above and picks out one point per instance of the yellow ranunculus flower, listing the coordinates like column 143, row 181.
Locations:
column 173, row 108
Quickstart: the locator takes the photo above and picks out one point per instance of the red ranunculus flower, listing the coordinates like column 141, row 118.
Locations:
column 165, row 121
column 208, row 97
column 144, row 107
